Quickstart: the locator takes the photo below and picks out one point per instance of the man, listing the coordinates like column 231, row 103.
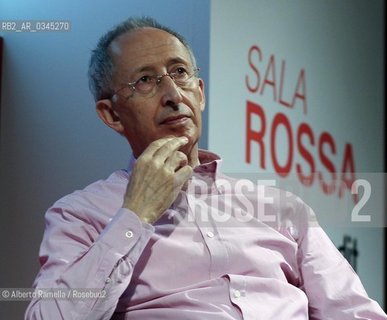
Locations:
column 173, row 238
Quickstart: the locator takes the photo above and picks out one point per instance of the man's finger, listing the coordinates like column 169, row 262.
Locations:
column 168, row 148
column 156, row 145
column 182, row 175
column 176, row 160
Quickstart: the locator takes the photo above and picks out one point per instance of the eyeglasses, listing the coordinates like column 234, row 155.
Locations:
column 147, row 84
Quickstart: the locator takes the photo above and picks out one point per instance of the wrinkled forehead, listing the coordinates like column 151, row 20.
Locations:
column 147, row 47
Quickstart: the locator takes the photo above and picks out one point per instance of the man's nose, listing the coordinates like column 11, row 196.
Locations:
column 171, row 92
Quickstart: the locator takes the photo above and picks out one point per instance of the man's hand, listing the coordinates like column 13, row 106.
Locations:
column 157, row 177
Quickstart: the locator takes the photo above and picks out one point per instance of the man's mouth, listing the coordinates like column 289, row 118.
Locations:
column 173, row 120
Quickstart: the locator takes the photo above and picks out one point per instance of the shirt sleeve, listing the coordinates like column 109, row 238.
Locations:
column 76, row 259
column 333, row 288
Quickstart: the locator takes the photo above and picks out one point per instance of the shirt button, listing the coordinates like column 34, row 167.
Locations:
column 210, row 234
column 220, row 188
column 237, row 294
column 129, row 234
column 108, row 280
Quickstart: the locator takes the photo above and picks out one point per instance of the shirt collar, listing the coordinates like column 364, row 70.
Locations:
column 209, row 172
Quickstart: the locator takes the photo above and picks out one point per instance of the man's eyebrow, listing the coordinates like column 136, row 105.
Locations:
column 178, row 60
column 152, row 67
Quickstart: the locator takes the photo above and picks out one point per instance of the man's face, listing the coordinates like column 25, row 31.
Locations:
column 171, row 110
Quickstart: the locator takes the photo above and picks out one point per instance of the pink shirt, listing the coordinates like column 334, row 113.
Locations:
column 226, row 249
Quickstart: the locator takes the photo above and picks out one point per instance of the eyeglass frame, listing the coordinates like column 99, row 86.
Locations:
column 132, row 85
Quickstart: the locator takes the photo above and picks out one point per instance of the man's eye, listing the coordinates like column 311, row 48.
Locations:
column 145, row 79
column 181, row 70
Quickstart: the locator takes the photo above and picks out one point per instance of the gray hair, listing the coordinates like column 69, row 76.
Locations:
column 101, row 67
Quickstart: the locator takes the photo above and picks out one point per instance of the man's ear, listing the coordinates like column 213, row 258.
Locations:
column 107, row 114
column 203, row 96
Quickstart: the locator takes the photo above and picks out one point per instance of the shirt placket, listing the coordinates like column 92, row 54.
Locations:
column 211, row 237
